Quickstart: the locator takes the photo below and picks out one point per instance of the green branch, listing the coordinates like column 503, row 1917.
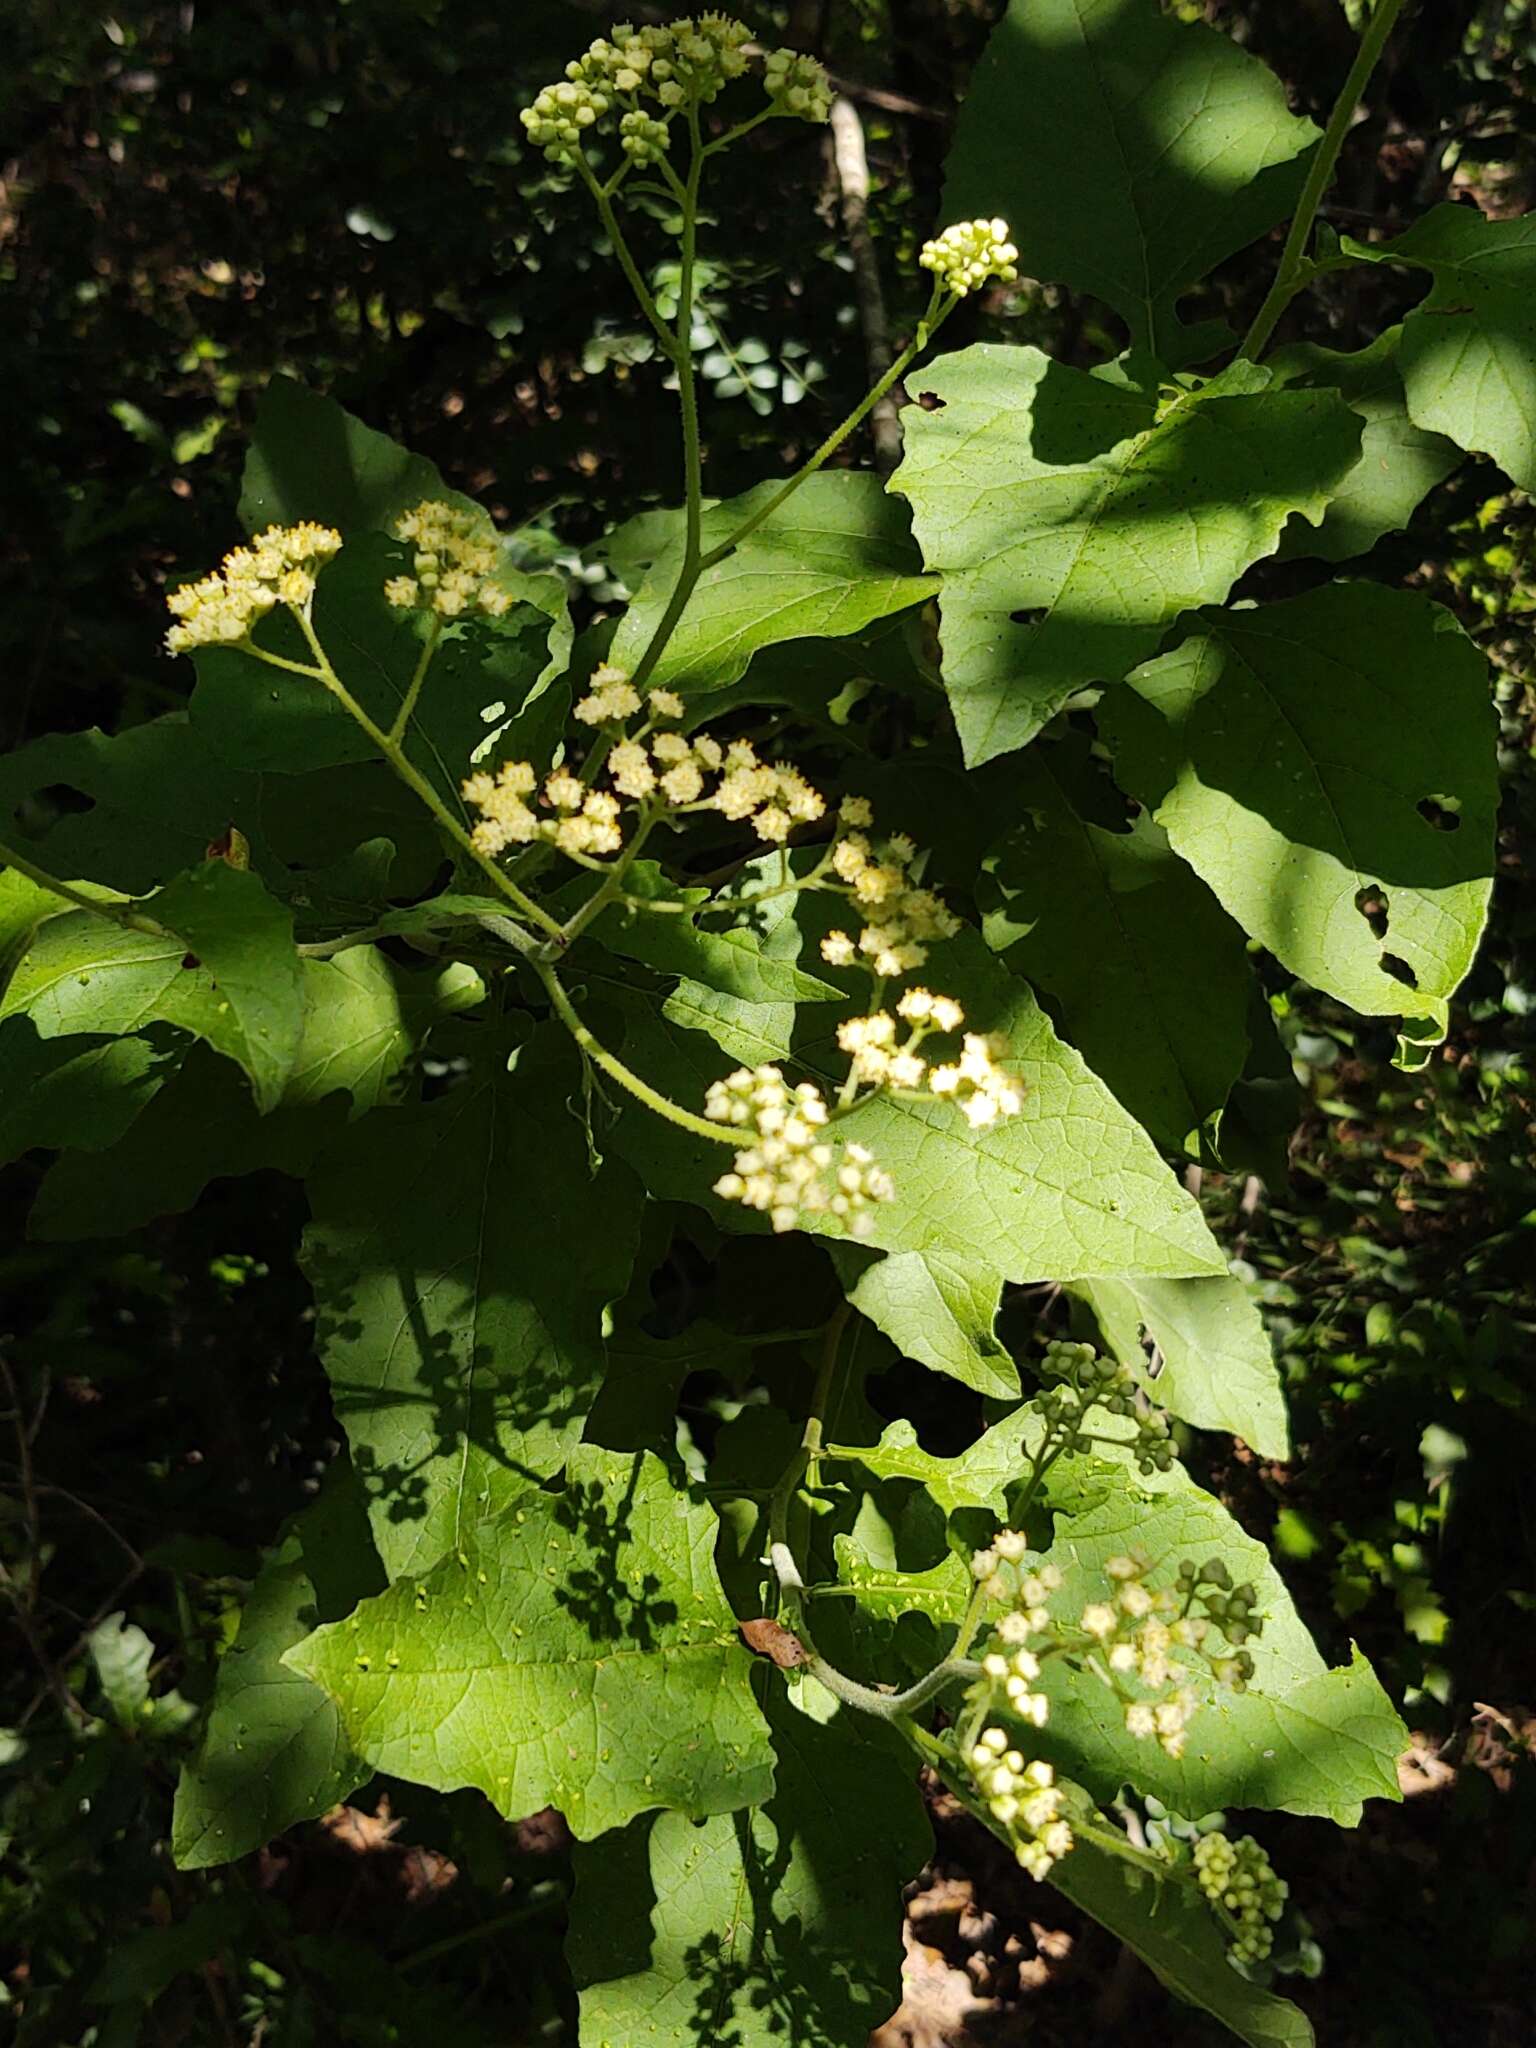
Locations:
column 1295, row 271
column 114, row 913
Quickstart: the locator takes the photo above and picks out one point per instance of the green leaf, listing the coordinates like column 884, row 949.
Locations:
column 727, row 956
column 1074, row 519
column 577, row 1652
column 81, row 1092
column 1194, row 155
column 1149, row 974
column 1300, row 757
column 1469, row 349
column 226, row 971
column 122, row 1654
column 273, row 1751
column 23, row 906
column 779, row 1924
column 937, row 1307
column 1070, row 1186
column 155, row 798
column 1399, row 465
column 458, row 1319
column 1301, row 1739
column 262, row 717
column 201, row 1126
column 1178, row 1938
column 1218, row 1369
column 364, row 1018
column 311, row 459
column 837, row 557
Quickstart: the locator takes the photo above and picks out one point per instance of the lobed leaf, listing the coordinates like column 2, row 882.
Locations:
column 1073, row 519
column 575, row 1652
column 938, row 1307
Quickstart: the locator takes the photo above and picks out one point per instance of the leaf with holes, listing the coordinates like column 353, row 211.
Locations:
column 1327, row 766
column 1073, row 519
column 836, row 560
column 224, row 969
column 575, row 1652
column 460, row 1324
column 1193, row 154
column 780, row 1923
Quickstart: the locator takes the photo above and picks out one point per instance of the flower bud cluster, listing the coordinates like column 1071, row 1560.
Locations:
column 453, row 563
column 972, row 253
column 1025, row 1798
column 647, row 74
column 279, row 567
column 904, row 919
column 791, row 1169
column 1080, row 1380
column 882, row 1059
column 585, row 822
column 1240, row 1881
column 1137, row 1634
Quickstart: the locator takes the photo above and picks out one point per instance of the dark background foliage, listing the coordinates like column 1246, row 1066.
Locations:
column 194, row 196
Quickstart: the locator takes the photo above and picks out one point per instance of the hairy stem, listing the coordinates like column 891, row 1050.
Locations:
column 423, row 663
column 602, row 199
column 1295, row 271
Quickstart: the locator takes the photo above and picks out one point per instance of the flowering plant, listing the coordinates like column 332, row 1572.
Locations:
column 559, row 963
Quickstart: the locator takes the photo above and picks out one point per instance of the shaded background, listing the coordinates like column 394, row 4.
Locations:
column 194, row 196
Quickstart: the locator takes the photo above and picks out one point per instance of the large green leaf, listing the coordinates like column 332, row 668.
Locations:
column 1178, row 1938
column 779, row 1924
column 837, row 557
column 1307, row 760
column 459, row 1319
column 1469, row 350
column 200, row 1126
column 150, row 802
column 1074, row 519
column 273, row 1751
column 364, row 1018
column 938, row 1307
column 1071, row 1186
column 1150, row 976
column 1399, row 465
column 1218, row 1369
column 1302, row 1739
column 226, row 971
column 81, row 1092
column 576, row 1652
column 310, row 459
column 1194, row 155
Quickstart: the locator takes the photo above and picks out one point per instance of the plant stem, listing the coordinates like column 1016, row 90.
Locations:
column 615, row 1068
column 1295, row 271
column 424, row 662
column 939, row 310
column 687, row 383
column 412, row 777
column 114, row 913
column 613, row 884
column 604, row 204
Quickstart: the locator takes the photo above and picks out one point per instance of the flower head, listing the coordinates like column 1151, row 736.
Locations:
column 970, row 254
column 453, row 565
column 278, row 567
column 791, row 1169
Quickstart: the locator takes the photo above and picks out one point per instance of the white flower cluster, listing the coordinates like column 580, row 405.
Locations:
column 904, row 919
column 1082, row 1380
column 970, row 254
column 453, row 565
column 797, row 85
column 1240, row 1881
column 699, row 774
column 1025, row 1798
column 647, row 74
column 585, row 821
column 279, row 567
column 882, row 1060
column 792, row 1169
